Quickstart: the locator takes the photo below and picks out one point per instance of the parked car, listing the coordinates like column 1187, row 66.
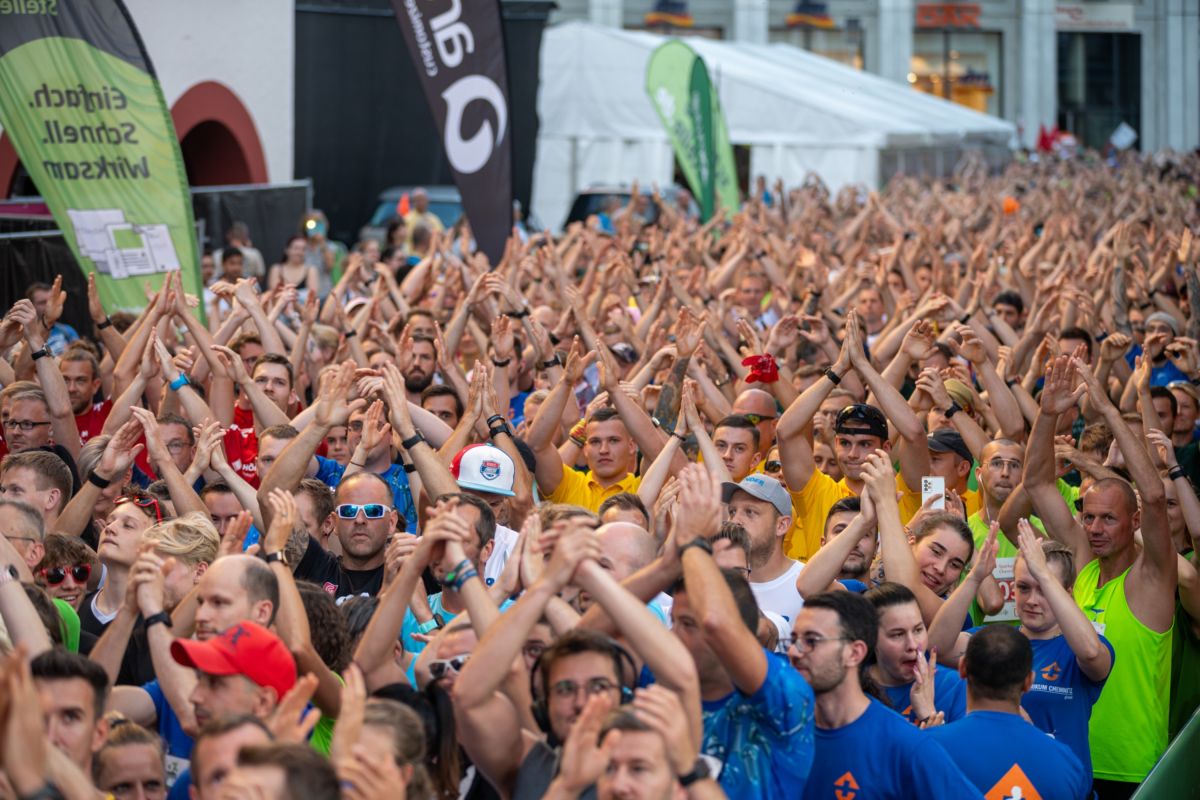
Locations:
column 444, row 201
column 595, row 199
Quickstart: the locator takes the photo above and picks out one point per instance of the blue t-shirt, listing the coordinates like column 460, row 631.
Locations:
column 411, row 626
column 764, row 740
column 883, row 757
column 1061, row 698
column 179, row 744
column 1005, row 756
column 949, row 696
column 330, row 473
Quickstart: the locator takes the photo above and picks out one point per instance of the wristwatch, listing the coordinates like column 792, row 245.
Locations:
column 161, row 616
column 699, row 541
column 699, row 772
column 42, row 353
column 279, row 556
column 952, row 410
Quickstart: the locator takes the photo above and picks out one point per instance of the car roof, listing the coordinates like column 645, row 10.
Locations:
column 436, row 193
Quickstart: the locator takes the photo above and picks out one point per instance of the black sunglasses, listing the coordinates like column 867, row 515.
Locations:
column 53, row 576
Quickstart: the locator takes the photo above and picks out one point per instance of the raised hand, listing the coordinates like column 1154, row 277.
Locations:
column 576, row 542
column 331, row 408
column 234, row 540
column 1060, row 391
column 662, row 710
column 920, row 341
column 1030, row 543
column 54, row 306
column 148, row 576
column 699, row 513
column 376, row 429
column 286, row 516
column 584, row 757
column 1162, row 443
column 503, row 341
column 971, row 346
column 95, row 307
column 985, row 559
column 689, row 331
column 880, row 479
column 121, row 451
column 1115, row 346
column 286, row 722
column 921, row 695
column 154, row 443
column 577, row 362
column 231, row 363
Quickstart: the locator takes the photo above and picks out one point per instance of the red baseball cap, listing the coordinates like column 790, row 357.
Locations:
column 246, row 649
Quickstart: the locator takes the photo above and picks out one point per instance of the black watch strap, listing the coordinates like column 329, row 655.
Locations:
column 834, row 378
column 278, row 555
column 699, row 772
column 102, row 325
column 413, row 441
column 952, row 410
column 161, row 616
column 97, row 480
column 699, row 541
column 42, row 353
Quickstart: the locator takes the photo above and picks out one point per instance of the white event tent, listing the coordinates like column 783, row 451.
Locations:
column 796, row 112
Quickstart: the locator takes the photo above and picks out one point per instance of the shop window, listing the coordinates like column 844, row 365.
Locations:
column 962, row 66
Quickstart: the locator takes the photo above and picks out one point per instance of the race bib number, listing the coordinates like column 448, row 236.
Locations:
column 1003, row 573
column 175, row 767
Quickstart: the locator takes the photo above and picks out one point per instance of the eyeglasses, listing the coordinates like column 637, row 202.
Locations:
column 757, row 418
column 370, row 510
column 595, row 686
column 773, row 466
column 53, row 576
column 999, row 464
column 178, row 447
column 25, row 425
column 142, row 501
column 441, row 667
column 806, row 644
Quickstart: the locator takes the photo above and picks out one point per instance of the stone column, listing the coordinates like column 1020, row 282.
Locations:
column 894, row 37
column 750, row 21
column 1038, row 87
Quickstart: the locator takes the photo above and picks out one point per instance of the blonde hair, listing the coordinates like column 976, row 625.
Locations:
column 191, row 538
column 325, row 336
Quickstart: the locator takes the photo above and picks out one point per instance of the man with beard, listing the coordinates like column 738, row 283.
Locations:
column 762, row 506
column 418, row 362
column 861, row 744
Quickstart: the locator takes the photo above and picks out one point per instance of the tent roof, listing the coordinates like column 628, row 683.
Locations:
column 593, row 86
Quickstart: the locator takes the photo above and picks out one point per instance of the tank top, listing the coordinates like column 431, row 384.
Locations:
column 1128, row 729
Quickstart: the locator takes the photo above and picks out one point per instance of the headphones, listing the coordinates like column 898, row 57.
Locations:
column 627, row 673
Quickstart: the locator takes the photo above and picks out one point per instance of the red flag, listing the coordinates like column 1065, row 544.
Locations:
column 402, row 206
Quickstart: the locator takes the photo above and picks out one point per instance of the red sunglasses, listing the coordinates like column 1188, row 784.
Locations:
column 53, row 576
column 142, row 501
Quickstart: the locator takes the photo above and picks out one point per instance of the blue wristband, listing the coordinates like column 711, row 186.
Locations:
column 180, row 382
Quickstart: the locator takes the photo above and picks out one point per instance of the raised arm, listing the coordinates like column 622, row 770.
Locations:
column 182, row 494
column 58, row 402
column 821, row 570
column 945, row 632
column 1156, row 571
column 436, row 479
column 540, row 436
column 795, row 448
column 734, row 644
column 899, row 564
column 1095, row 659
column 1058, row 395
column 246, row 294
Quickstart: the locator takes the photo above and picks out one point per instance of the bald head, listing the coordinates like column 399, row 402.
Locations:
column 754, row 401
column 761, row 404
column 627, row 548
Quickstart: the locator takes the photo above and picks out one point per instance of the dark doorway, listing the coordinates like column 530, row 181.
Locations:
column 213, row 157
column 1099, row 85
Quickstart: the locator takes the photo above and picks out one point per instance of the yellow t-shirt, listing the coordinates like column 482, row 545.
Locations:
column 579, row 489
column 810, row 507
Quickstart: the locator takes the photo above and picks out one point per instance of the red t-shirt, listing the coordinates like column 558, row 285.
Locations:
column 241, row 445
column 91, row 422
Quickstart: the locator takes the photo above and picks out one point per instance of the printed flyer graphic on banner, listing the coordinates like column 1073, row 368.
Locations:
column 682, row 94
column 458, row 51
column 86, row 115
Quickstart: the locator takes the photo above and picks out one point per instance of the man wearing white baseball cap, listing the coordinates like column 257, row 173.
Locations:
column 489, row 473
column 762, row 506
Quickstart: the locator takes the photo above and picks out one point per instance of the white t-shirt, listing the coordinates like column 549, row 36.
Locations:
column 506, row 540
column 780, row 596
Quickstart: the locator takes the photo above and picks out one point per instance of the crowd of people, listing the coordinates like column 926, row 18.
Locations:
column 837, row 494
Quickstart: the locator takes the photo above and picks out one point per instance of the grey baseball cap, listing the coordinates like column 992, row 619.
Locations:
column 761, row 487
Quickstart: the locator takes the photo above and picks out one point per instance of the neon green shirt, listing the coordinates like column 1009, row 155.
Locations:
column 1128, row 729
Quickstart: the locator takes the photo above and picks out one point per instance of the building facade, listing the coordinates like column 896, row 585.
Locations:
column 1081, row 66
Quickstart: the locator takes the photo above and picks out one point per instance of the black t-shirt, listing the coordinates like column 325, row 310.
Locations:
column 325, row 569
column 137, row 667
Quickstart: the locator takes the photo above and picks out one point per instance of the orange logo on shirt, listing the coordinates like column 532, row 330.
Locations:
column 848, row 784
column 1051, row 672
column 1015, row 785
